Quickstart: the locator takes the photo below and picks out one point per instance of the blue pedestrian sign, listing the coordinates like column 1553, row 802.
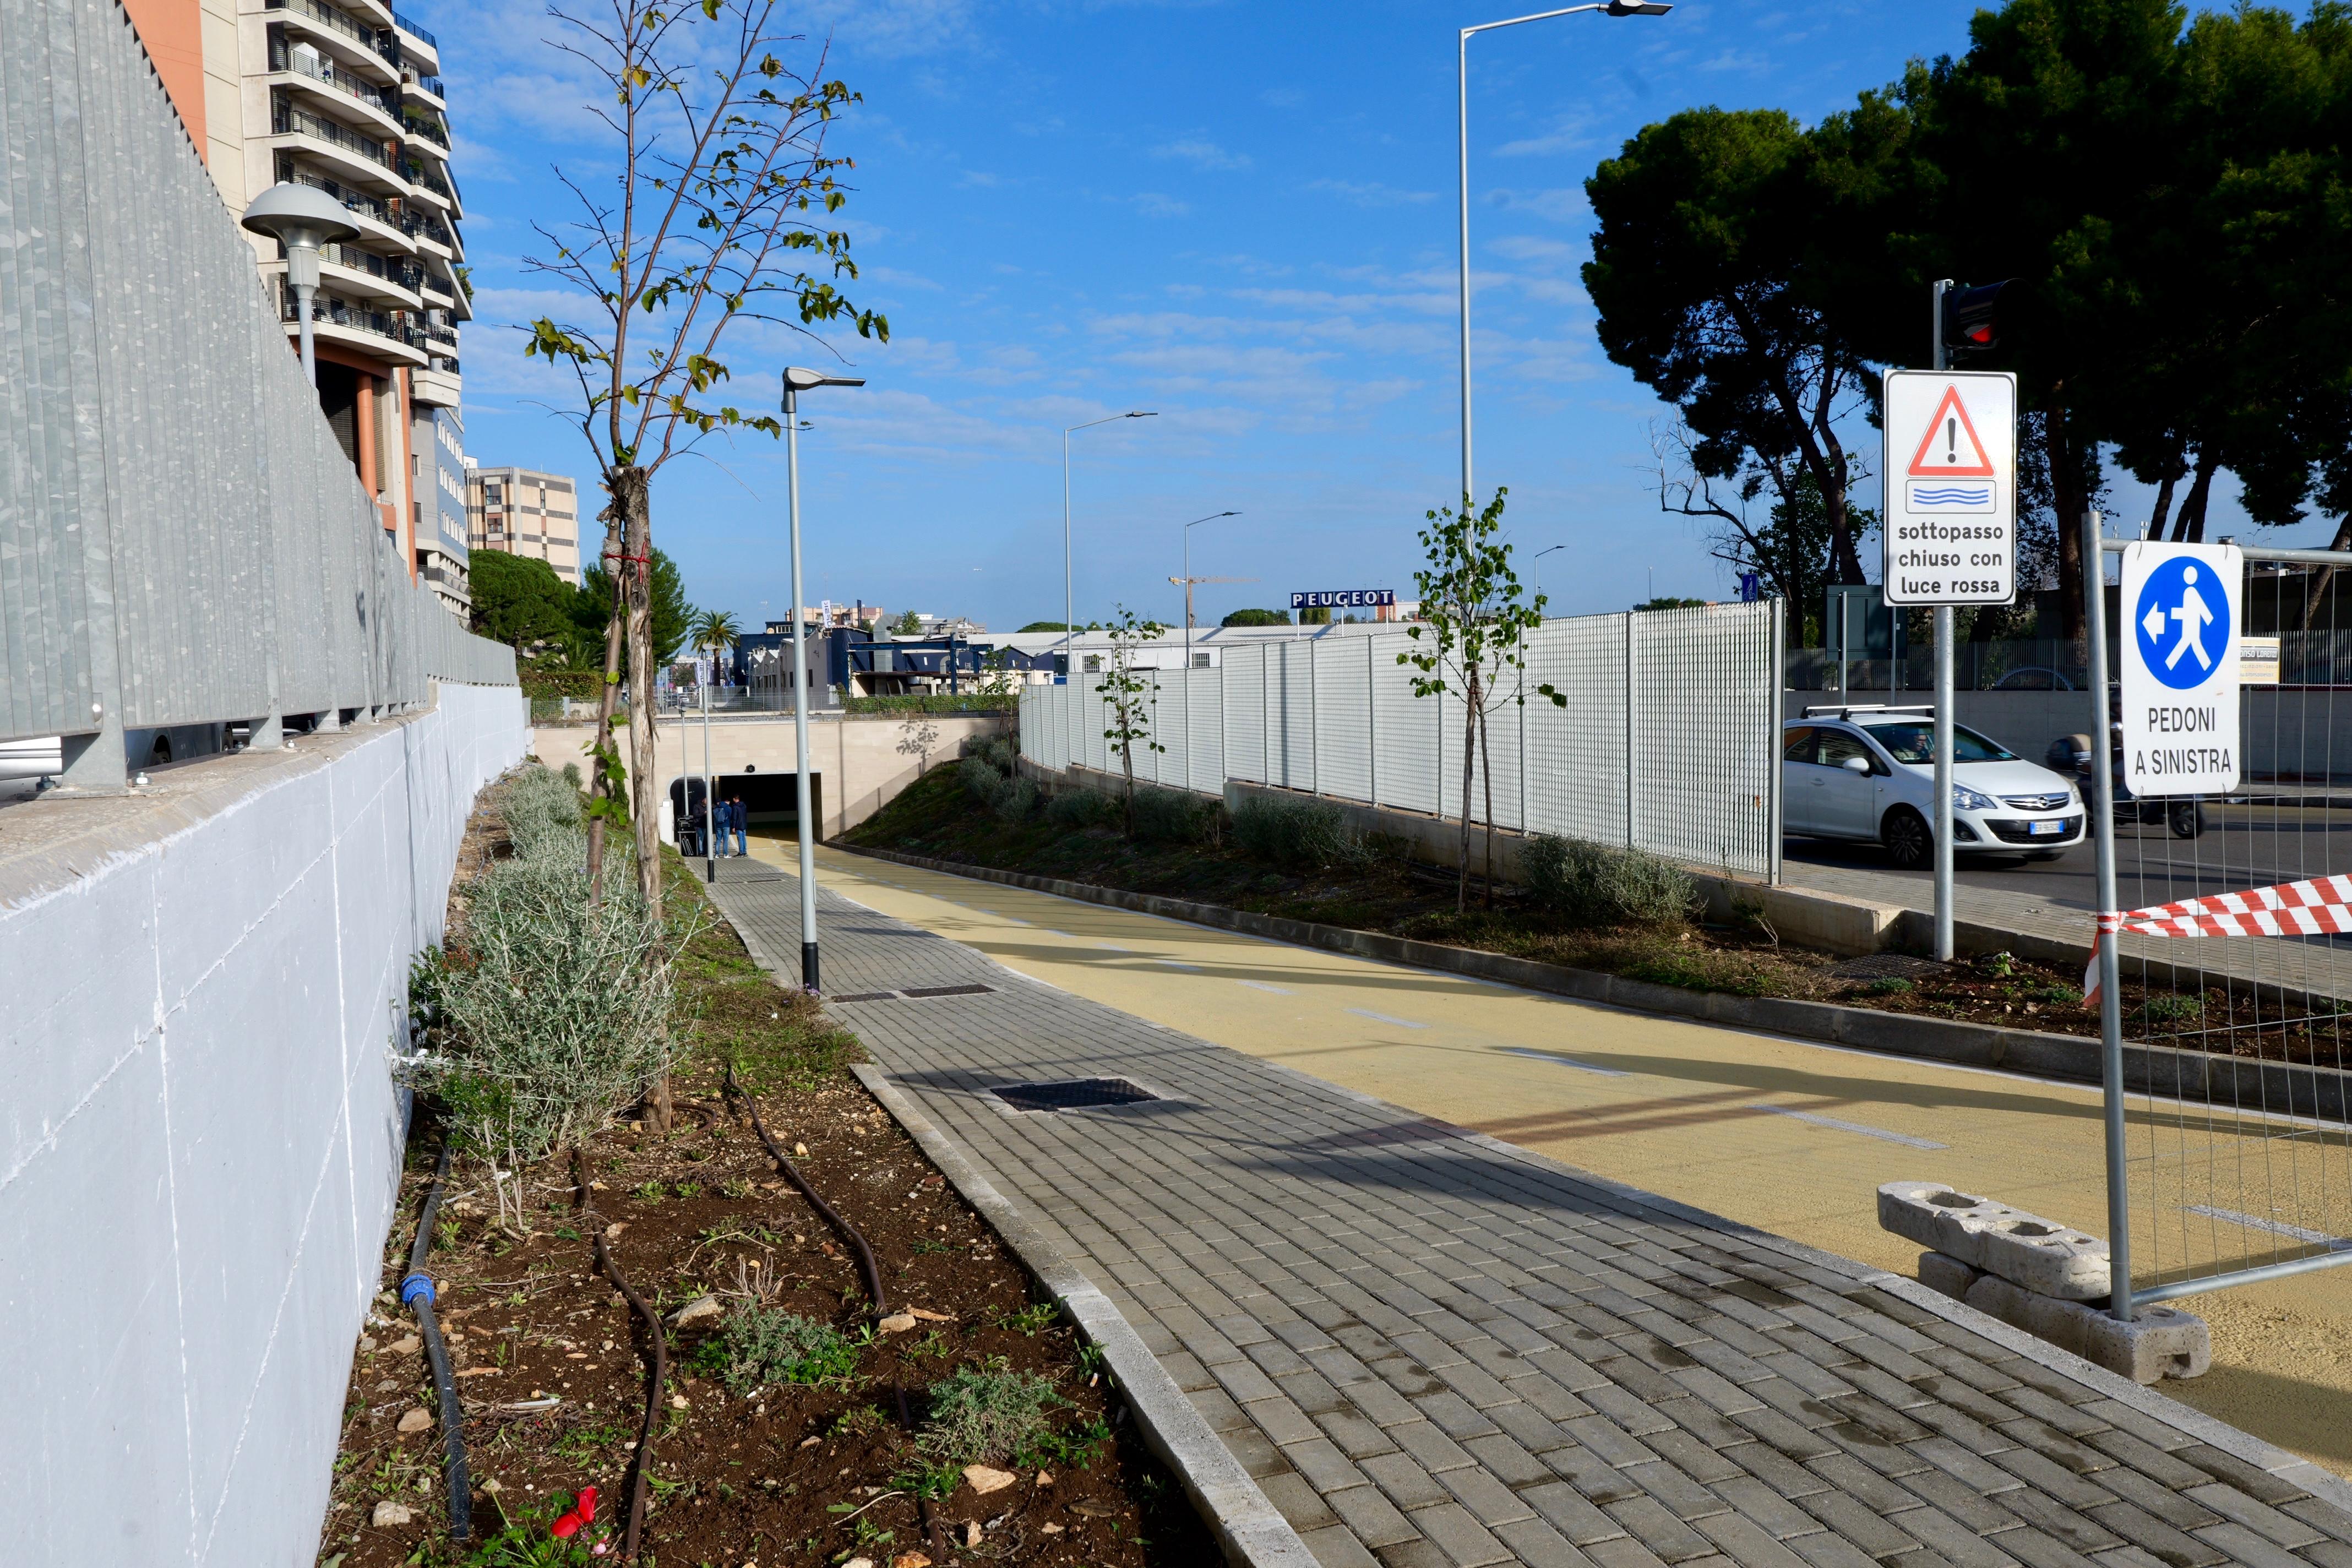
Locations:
column 2180, row 695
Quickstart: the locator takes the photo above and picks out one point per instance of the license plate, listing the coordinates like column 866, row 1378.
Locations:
column 2046, row 829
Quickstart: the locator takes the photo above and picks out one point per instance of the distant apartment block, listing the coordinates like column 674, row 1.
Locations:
column 525, row 512
column 346, row 96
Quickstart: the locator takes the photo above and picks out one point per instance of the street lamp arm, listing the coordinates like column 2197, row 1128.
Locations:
column 1113, row 418
column 1537, row 16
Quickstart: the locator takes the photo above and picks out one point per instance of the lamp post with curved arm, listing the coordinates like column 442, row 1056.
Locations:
column 1462, row 101
column 1188, row 577
column 1069, row 597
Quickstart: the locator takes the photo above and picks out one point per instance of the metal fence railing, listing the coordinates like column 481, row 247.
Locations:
column 1668, row 742
column 182, row 538
column 2227, row 1074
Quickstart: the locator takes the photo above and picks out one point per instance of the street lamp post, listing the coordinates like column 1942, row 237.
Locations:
column 302, row 218
column 1462, row 103
column 1069, row 597
column 797, row 381
column 1188, row 577
column 1535, row 566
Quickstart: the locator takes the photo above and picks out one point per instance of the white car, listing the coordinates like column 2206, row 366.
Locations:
column 1869, row 773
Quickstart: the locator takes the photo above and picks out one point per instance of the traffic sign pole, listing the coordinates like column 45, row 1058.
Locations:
column 1943, row 822
column 2101, row 802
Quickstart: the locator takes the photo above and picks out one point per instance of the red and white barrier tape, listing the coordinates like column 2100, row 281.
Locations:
column 2320, row 906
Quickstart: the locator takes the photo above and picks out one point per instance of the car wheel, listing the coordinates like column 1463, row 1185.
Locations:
column 1909, row 843
column 2187, row 819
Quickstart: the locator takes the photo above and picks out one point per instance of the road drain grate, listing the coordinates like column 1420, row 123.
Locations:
column 1071, row 1094
column 1890, row 966
column 947, row 990
column 867, row 996
column 889, row 930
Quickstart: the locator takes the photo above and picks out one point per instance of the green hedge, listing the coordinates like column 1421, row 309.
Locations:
column 937, row 702
column 575, row 683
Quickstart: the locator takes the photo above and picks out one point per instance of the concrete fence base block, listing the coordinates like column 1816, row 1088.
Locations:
column 2043, row 1255
column 2160, row 1342
column 1947, row 1274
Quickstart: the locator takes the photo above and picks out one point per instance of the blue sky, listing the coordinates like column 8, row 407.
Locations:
column 1239, row 215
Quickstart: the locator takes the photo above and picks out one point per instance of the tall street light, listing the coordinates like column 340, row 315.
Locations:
column 1069, row 598
column 1189, row 578
column 1535, row 566
column 1462, row 101
column 301, row 218
column 797, row 381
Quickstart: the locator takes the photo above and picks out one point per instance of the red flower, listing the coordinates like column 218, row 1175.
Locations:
column 566, row 1527
column 586, row 1505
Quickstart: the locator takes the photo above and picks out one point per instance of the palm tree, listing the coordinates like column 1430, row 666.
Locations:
column 714, row 631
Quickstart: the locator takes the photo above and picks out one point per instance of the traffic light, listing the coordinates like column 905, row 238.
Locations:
column 1974, row 318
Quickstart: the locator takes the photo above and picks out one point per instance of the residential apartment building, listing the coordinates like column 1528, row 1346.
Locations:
column 525, row 512
column 346, row 96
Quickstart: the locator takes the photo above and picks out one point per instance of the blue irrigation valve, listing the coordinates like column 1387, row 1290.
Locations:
column 413, row 1286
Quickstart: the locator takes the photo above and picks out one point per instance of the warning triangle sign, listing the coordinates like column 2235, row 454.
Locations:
column 1950, row 449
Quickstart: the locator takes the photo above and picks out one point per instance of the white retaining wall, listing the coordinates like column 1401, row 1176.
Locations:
column 200, row 1136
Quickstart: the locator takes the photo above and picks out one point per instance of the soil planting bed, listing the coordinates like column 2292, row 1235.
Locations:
column 553, row 1365
column 938, row 816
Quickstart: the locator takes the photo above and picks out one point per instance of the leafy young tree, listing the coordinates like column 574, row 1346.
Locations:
column 517, row 600
column 717, row 213
column 1256, row 618
column 1471, row 643
column 1127, row 693
column 908, row 625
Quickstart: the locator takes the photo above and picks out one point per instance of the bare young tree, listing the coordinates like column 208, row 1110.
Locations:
column 709, row 208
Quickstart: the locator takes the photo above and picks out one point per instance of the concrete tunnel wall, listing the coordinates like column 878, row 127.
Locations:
column 200, row 1136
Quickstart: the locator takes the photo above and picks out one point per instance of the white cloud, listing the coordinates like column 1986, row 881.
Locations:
column 1152, row 204
column 1561, row 203
column 1202, row 154
column 1569, row 134
column 1371, row 193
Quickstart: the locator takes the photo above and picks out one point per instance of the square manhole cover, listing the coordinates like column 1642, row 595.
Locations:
column 1072, row 1094
column 867, row 996
column 1889, row 966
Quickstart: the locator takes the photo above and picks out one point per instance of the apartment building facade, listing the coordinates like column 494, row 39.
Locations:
column 525, row 512
column 346, row 96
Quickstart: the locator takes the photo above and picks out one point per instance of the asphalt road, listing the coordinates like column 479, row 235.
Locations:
column 2242, row 847
column 1788, row 1136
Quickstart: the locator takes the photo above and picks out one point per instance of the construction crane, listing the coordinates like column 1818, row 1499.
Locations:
column 1186, row 583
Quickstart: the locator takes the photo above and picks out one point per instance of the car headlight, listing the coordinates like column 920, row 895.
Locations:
column 1966, row 799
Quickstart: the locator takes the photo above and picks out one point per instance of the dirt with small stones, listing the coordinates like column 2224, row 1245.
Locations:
column 552, row 1365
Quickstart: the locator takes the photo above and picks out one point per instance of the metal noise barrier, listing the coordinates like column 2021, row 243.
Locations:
column 183, row 539
column 1668, row 742
column 2236, row 1162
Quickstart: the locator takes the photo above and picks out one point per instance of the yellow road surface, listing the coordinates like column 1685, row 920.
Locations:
column 1784, row 1135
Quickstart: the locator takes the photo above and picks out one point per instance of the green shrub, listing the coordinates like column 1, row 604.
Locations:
column 986, row 1413
column 1300, row 835
column 2162, row 1010
column 545, row 1017
column 1597, row 884
column 1082, row 808
column 1018, row 802
column 1002, row 752
column 1172, row 816
column 762, row 1345
column 983, row 781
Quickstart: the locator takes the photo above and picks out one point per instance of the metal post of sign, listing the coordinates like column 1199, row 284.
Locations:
column 710, row 796
column 1943, row 823
column 2111, row 1002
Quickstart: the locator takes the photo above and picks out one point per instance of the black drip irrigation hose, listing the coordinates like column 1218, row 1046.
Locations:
column 633, row 1485
column 866, row 1264
column 416, row 1292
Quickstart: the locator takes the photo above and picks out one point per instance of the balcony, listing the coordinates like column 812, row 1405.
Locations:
column 339, row 87
column 436, row 385
column 418, row 126
column 378, row 220
column 339, row 27
column 417, row 44
column 345, row 151
column 385, row 333
column 402, row 281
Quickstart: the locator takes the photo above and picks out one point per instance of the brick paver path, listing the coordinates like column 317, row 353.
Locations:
column 1430, row 1348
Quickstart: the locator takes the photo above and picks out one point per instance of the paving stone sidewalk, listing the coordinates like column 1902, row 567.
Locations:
column 1430, row 1348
